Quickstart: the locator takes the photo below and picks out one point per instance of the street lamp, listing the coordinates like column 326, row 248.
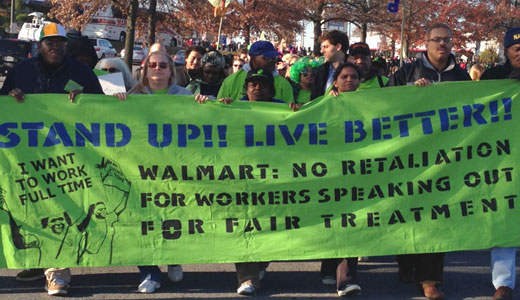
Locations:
column 403, row 50
column 11, row 21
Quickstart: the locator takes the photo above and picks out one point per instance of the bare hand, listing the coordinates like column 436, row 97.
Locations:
column 17, row 94
column 295, row 106
column 121, row 96
column 422, row 82
column 334, row 92
column 201, row 99
column 73, row 94
column 225, row 100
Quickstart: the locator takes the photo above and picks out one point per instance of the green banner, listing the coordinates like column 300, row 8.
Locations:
column 159, row 180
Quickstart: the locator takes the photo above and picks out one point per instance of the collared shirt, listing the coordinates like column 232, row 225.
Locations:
column 330, row 78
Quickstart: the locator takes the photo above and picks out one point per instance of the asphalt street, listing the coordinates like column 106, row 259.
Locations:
column 467, row 276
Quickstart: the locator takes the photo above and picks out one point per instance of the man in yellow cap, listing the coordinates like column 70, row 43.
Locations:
column 51, row 71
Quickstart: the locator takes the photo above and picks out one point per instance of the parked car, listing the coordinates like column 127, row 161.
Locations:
column 104, row 48
column 13, row 51
column 137, row 56
column 180, row 58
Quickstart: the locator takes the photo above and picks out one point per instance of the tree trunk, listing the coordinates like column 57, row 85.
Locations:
column 152, row 21
column 364, row 32
column 477, row 48
column 316, row 21
column 130, row 32
column 247, row 35
column 317, row 34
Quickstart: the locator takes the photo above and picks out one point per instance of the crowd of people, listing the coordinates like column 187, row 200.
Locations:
column 264, row 73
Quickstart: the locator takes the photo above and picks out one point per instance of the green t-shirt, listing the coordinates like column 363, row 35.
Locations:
column 304, row 96
column 233, row 87
column 372, row 83
column 161, row 92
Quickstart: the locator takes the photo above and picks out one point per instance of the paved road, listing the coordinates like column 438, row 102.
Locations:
column 466, row 277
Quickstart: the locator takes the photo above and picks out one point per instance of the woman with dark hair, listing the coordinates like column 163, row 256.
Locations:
column 213, row 73
column 346, row 79
column 342, row 271
column 302, row 78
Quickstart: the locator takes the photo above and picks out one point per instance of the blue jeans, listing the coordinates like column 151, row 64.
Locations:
column 503, row 267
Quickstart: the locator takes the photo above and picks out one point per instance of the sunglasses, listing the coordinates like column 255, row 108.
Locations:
column 110, row 70
column 162, row 65
column 238, row 66
column 306, row 72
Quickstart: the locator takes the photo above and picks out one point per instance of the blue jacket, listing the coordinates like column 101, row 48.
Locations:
column 32, row 77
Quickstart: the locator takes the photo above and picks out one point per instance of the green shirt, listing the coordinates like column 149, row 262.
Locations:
column 372, row 83
column 233, row 87
column 161, row 92
column 304, row 96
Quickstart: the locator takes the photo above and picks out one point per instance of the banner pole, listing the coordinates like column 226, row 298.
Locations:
column 219, row 31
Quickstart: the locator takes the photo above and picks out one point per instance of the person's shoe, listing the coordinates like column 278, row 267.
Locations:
column 57, row 287
column 30, row 275
column 503, row 293
column 175, row 273
column 247, row 289
column 350, row 289
column 328, row 280
column 148, row 285
column 432, row 292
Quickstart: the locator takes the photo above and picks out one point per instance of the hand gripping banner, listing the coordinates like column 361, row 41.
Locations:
column 163, row 180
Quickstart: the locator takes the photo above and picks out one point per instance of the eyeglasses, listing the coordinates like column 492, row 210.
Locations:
column 110, row 70
column 439, row 39
column 162, row 65
column 238, row 66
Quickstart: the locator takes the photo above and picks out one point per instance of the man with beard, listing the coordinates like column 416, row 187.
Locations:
column 359, row 54
column 503, row 260
column 51, row 71
column 437, row 64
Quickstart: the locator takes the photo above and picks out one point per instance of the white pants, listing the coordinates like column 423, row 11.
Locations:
column 503, row 267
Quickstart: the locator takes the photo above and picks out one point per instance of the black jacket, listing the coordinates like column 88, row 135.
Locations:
column 320, row 80
column 504, row 71
column 32, row 77
column 421, row 68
